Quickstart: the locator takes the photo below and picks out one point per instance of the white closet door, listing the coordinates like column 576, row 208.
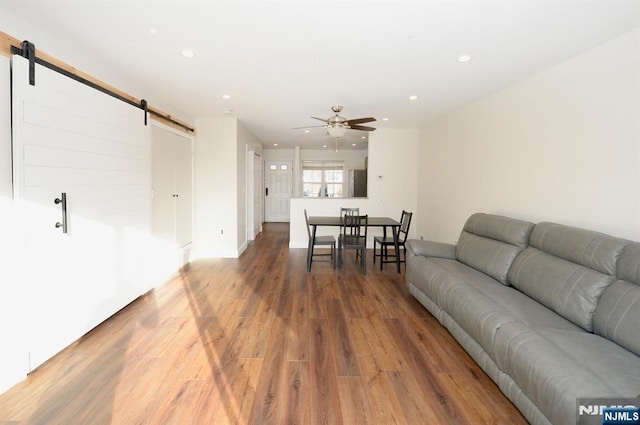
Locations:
column 70, row 138
column 172, row 186
column 183, row 182
column 163, row 208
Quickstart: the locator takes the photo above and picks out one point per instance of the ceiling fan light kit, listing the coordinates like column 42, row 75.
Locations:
column 336, row 130
column 337, row 126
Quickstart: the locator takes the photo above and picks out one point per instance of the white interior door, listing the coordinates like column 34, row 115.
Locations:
column 183, row 179
column 254, row 194
column 69, row 138
column 257, row 195
column 278, row 187
column 163, row 208
column 172, row 186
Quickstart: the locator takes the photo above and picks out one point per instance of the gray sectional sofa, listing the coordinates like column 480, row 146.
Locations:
column 551, row 313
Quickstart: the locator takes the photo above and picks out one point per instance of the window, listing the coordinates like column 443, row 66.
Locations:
column 322, row 179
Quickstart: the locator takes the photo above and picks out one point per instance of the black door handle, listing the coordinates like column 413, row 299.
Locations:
column 63, row 201
column 266, row 191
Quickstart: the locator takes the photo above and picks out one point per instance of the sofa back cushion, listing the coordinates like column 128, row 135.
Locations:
column 617, row 315
column 567, row 269
column 490, row 243
column 591, row 249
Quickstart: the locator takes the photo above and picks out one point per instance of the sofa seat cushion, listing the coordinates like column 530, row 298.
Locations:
column 607, row 361
column 437, row 277
column 449, row 284
column 555, row 367
column 523, row 308
column 477, row 302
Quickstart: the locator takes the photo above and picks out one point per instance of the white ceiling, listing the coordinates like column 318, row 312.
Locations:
column 284, row 61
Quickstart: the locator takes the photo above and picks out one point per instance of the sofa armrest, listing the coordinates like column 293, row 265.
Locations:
column 431, row 249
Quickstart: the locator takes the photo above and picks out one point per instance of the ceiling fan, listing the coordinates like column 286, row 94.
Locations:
column 336, row 125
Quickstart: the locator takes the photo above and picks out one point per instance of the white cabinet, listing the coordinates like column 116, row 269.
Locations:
column 172, row 178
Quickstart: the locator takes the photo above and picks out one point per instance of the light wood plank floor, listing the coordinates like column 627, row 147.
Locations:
column 257, row 340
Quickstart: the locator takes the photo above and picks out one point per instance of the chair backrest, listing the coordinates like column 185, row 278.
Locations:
column 354, row 227
column 405, row 222
column 349, row 211
column 306, row 219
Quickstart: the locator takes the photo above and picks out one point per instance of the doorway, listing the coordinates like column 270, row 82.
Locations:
column 254, row 195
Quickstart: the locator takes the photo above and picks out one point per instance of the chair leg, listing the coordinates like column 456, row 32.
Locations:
column 374, row 252
column 364, row 261
column 309, row 256
column 333, row 256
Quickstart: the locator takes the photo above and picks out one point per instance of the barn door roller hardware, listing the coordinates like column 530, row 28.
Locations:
column 28, row 51
column 143, row 105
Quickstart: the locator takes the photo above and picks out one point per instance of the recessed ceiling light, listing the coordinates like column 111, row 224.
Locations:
column 153, row 31
column 363, row 137
column 188, row 53
column 228, row 111
column 353, row 144
column 325, row 146
column 464, row 58
column 385, row 119
column 275, row 144
column 226, row 96
column 413, row 97
column 307, row 131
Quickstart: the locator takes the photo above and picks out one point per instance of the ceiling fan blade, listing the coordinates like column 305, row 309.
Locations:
column 361, row 127
column 361, row 120
column 321, row 119
column 308, row 126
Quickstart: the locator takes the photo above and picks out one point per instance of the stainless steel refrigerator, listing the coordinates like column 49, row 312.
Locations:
column 358, row 183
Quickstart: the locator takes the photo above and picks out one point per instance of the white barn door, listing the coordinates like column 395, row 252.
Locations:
column 69, row 138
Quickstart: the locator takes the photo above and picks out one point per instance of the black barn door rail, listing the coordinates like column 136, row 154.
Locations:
column 28, row 51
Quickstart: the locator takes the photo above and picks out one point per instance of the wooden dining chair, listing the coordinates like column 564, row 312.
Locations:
column 349, row 211
column 387, row 241
column 322, row 241
column 353, row 235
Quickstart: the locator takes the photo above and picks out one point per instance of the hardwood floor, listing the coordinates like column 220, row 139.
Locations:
column 257, row 340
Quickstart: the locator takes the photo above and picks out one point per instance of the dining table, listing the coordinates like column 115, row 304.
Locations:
column 336, row 221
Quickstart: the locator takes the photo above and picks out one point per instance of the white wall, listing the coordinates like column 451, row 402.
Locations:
column 246, row 141
column 393, row 155
column 220, row 186
column 562, row 146
column 215, row 171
